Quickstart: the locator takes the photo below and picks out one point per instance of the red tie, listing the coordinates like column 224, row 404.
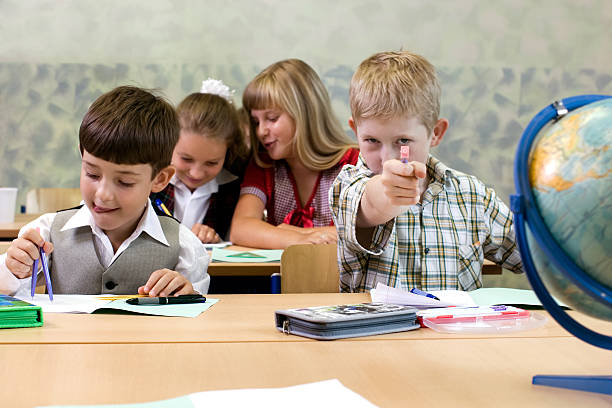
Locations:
column 300, row 217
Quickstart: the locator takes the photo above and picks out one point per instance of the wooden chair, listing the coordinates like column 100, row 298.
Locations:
column 43, row 200
column 310, row 269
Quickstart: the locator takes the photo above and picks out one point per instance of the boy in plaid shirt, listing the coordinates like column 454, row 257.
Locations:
column 413, row 223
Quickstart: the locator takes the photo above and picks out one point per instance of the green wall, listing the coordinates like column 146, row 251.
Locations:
column 499, row 62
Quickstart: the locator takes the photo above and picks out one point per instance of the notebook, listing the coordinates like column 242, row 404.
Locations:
column 344, row 321
column 19, row 313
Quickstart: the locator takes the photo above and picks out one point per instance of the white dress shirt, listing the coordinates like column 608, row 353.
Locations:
column 192, row 260
column 191, row 207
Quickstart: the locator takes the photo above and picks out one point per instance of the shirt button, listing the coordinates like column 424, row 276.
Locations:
column 110, row 285
column 426, row 251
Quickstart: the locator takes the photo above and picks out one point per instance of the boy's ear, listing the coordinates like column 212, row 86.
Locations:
column 351, row 123
column 438, row 132
column 161, row 180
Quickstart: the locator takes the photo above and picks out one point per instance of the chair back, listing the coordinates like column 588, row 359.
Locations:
column 310, row 269
column 44, row 200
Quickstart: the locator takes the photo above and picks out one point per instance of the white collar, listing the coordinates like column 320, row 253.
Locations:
column 211, row 187
column 148, row 223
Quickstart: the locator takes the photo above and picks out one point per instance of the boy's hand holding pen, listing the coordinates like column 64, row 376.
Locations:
column 401, row 179
column 25, row 255
column 24, row 251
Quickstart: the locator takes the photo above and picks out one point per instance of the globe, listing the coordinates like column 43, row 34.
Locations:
column 570, row 173
column 563, row 217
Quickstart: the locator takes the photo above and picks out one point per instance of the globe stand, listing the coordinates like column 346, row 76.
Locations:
column 525, row 211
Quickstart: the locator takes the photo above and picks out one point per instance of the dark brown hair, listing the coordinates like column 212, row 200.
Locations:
column 213, row 116
column 130, row 125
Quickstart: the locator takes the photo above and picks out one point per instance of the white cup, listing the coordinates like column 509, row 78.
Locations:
column 8, row 198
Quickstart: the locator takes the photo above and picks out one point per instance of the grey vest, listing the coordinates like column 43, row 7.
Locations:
column 76, row 269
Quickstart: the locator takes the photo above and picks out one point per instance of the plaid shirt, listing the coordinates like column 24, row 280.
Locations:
column 439, row 243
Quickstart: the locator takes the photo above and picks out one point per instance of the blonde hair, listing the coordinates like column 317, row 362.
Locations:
column 213, row 116
column 395, row 83
column 294, row 87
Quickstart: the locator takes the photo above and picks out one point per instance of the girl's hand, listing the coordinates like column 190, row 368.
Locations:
column 205, row 234
column 321, row 235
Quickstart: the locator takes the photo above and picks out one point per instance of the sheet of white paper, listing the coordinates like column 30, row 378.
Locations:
column 223, row 244
column 91, row 303
column 329, row 393
column 386, row 294
column 68, row 303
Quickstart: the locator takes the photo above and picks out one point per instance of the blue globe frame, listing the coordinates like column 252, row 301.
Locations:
column 525, row 210
column 524, row 207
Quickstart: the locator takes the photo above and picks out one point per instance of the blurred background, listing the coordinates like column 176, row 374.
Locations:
column 499, row 63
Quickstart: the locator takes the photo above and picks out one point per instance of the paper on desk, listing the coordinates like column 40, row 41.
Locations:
column 329, row 393
column 180, row 402
column 67, row 303
column 386, row 294
column 255, row 255
column 507, row 296
column 211, row 246
column 93, row 303
column 182, row 310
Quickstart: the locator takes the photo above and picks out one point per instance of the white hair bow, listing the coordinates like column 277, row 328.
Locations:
column 217, row 87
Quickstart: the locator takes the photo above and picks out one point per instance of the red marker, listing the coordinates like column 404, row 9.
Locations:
column 404, row 154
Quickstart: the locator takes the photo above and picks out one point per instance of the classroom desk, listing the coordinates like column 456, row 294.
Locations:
column 242, row 268
column 9, row 230
column 96, row 359
column 235, row 318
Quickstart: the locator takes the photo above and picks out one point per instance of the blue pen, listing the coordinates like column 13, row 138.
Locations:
column 423, row 293
column 45, row 268
column 162, row 207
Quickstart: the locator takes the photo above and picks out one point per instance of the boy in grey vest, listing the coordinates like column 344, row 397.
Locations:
column 115, row 242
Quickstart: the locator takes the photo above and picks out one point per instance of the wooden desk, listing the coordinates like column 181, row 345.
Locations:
column 9, row 230
column 238, row 347
column 235, row 318
column 242, row 268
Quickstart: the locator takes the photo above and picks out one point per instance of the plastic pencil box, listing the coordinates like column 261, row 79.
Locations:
column 480, row 319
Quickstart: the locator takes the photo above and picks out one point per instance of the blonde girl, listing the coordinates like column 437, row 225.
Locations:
column 299, row 148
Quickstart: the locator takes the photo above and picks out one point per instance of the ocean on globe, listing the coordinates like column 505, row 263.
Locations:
column 570, row 174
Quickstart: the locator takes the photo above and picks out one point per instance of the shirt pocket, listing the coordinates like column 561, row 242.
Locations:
column 469, row 274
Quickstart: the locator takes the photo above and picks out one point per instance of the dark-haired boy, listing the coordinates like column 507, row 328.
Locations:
column 115, row 242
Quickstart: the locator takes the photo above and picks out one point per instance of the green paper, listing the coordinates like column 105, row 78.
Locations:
column 246, row 255
column 256, row 255
column 180, row 402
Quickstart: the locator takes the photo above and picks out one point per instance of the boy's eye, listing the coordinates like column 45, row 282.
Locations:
column 92, row 176
column 187, row 159
column 371, row 140
column 211, row 164
column 403, row 141
column 126, row 184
